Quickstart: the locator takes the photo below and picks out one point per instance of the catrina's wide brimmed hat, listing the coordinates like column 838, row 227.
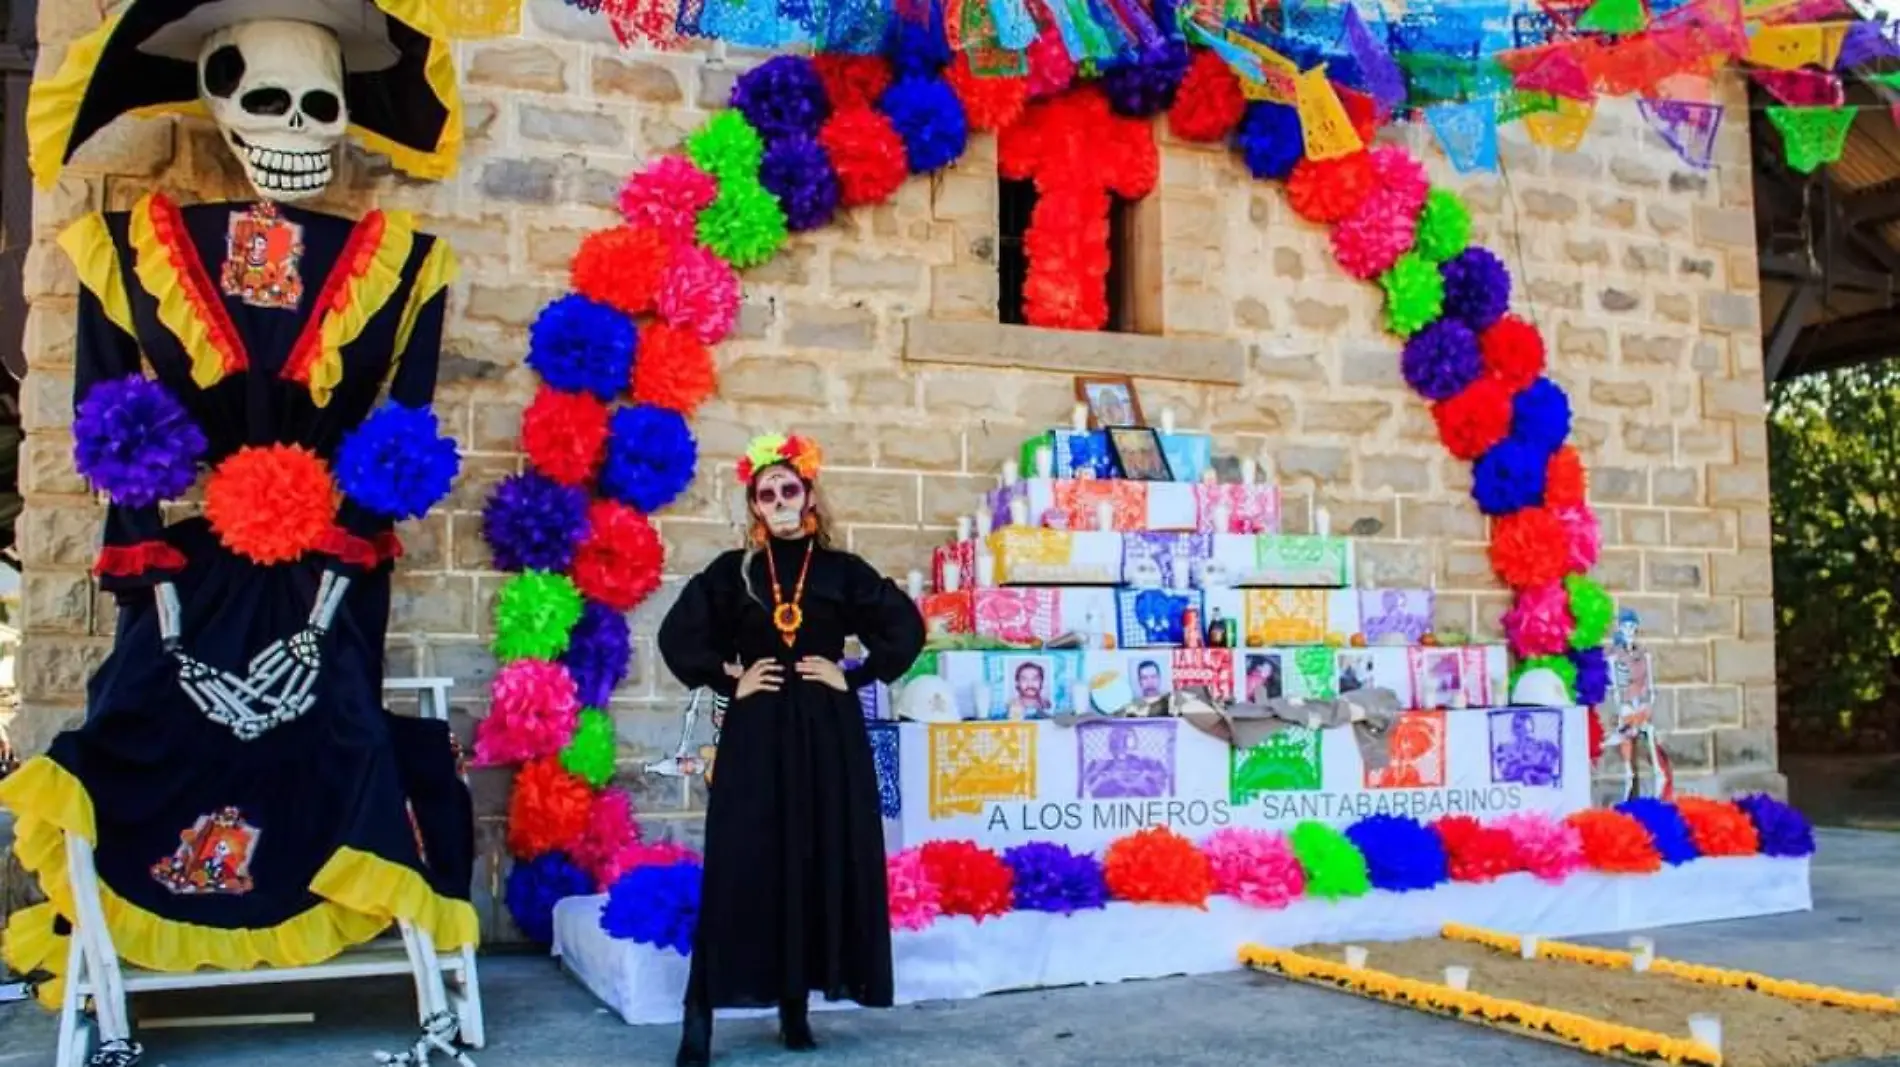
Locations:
column 399, row 75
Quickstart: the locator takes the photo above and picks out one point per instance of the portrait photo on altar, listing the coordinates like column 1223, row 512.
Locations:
column 1111, row 399
column 1028, row 688
column 1127, row 759
column 1139, row 453
column 1152, row 676
column 1355, row 671
column 1527, row 746
column 1264, row 680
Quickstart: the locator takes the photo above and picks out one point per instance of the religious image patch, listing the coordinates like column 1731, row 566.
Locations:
column 884, row 752
column 262, row 256
column 213, row 857
column 978, row 763
column 1287, row 761
column 1415, row 753
column 1527, row 746
column 1124, row 760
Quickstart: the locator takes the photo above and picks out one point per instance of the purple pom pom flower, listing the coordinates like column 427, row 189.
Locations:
column 1593, row 675
column 599, row 654
column 1049, row 877
column 1540, row 415
column 1509, row 477
column 1783, row 830
column 1477, row 288
column 783, row 97
column 798, row 172
column 1442, row 359
column 1270, row 140
column 134, row 442
column 1146, row 86
column 533, row 523
column 1665, row 826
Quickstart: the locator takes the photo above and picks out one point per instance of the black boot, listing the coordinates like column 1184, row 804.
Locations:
column 794, row 1026
column 695, row 1038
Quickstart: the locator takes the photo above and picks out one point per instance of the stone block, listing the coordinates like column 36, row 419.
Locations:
column 1621, row 394
column 1738, row 662
column 520, row 181
column 1360, row 418
column 58, row 536
column 436, row 604
column 882, row 499
column 1395, row 473
column 1676, row 571
column 1641, row 527
column 928, row 449
column 1321, row 463
column 1744, row 749
column 852, row 270
column 54, row 670
column 634, row 79
column 1434, row 520
column 1681, row 664
column 1720, row 227
column 787, row 381
column 518, row 64
column 1731, row 312
column 1739, row 484
column 1386, row 565
column 1210, row 360
column 1702, row 529
column 1618, row 485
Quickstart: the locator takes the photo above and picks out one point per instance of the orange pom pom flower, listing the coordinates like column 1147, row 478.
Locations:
column 1615, row 843
column 621, row 267
column 1158, row 866
column 550, row 809
column 1718, row 828
column 271, row 503
column 673, row 369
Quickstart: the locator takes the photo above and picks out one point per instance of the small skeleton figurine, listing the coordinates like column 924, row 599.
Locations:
column 1632, row 675
column 690, row 760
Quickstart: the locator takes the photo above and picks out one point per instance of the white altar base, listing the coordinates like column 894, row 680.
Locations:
column 957, row 958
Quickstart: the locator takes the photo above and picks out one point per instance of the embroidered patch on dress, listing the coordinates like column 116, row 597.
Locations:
column 213, row 857
column 262, row 252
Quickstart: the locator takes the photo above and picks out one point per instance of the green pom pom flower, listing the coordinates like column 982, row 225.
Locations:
column 727, row 147
column 1334, row 866
column 590, row 755
column 1414, row 294
column 745, row 226
column 1592, row 608
column 535, row 615
column 1566, row 670
column 1444, row 227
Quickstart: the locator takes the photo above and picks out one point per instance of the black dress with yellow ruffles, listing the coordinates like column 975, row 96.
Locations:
column 794, row 899
column 214, row 851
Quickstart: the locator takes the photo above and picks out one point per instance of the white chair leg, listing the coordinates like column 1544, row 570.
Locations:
column 71, row 1040
column 105, row 982
column 466, row 998
column 417, row 968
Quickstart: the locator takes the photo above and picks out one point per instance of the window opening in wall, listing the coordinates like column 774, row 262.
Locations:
column 1016, row 203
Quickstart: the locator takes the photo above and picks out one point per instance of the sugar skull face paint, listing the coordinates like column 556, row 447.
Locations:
column 780, row 501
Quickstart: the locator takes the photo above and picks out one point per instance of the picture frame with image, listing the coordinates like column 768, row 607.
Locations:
column 1139, row 454
column 1111, row 399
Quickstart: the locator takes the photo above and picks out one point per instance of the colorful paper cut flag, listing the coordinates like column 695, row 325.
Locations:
column 1323, row 119
column 1384, row 80
column 1468, row 132
column 1812, row 136
column 1794, row 47
column 1562, row 130
column 1614, row 16
column 1554, row 70
column 1686, row 126
column 1867, row 42
column 1803, row 88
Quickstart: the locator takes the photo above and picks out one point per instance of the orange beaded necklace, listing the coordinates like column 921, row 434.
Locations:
column 788, row 616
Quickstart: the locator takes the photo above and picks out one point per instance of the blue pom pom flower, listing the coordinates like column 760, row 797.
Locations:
column 1509, row 477
column 1270, row 140
column 398, row 464
column 651, row 456
column 928, row 116
column 1666, row 828
column 1540, row 415
column 1401, row 855
column 579, row 346
column 534, row 887
column 655, row 905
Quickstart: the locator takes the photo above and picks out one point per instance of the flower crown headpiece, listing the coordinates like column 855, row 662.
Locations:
column 800, row 453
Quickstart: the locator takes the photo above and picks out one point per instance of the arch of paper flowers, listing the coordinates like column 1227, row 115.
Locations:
column 623, row 362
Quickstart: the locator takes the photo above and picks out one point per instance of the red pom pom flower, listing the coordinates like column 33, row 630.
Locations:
column 867, row 153
column 1209, row 103
column 1158, row 866
column 564, row 435
column 673, row 369
column 1530, row 548
column 1474, row 420
column 1513, row 352
column 989, row 102
column 970, row 880
column 1564, row 481
column 619, row 562
column 1475, row 852
column 852, row 81
column 549, row 810
column 1326, row 191
column 1615, row 843
column 621, row 267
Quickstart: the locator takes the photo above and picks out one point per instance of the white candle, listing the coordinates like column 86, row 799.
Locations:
column 1019, row 512
column 1104, row 516
column 1012, row 472
column 914, row 581
column 1167, row 420
column 952, row 577
column 1322, row 522
column 1706, row 1029
column 1223, row 518
column 1249, row 470
column 1643, row 953
column 985, row 571
column 1081, row 699
column 1079, row 417
column 1045, row 462
column 1458, row 978
column 1209, row 477
column 1356, row 957
column 980, row 699
column 963, row 528
column 1527, row 946
column 985, row 522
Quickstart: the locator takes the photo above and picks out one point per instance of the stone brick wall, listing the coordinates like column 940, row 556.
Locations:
column 1641, row 272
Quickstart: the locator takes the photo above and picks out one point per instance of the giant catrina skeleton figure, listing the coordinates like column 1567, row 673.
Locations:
column 248, row 799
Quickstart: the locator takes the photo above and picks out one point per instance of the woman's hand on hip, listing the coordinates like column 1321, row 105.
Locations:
column 824, row 672
column 762, row 677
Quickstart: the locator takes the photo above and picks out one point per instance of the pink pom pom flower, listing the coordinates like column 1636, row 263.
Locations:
column 1373, row 237
column 1401, row 178
column 667, row 195
column 1548, row 848
column 699, row 293
column 915, row 901
column 610, row 829
column 1539, row 624
column 1255, row 867
column 1583, row 538
column 641, row 854
column 533, row 712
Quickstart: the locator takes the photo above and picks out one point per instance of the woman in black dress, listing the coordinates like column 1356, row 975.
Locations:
column 794, row 896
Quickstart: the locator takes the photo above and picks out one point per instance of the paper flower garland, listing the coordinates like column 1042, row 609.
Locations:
column 1667, row 832
column 134, row 442
column 970, row 880
column 1256, row 867
column 536, row 886
column 1475, row 852
column 1548, row 848
column 1400, row 854
column 532, row 522
column 655, row 905
column 535, row 613
column 1158, row 866
column 1333, row 864
column 1781, row 830
column 915, row 902
column 397, row 463
column 1049, row 877
column 271, row 503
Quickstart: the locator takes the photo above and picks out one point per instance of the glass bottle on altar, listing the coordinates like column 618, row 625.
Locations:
column 1217, row 632
column 1191, row 636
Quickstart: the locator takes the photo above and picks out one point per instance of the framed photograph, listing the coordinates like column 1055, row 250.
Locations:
column 1138, row 453
column 1111, row 399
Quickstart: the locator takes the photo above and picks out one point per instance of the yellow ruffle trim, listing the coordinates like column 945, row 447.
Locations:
column 364, row 296
column 1614, row 960
column 363, row 895
column 53, row 102
column 1591, row 1035
column 89, row 245
column 439, row 270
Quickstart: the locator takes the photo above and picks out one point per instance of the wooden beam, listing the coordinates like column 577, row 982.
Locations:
column 1787, row 266
column 1845, row 342
column 1789, row 325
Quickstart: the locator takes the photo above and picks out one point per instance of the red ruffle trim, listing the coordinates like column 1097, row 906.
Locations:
column 357, row 552
column 351, row 265
column 168, row 225
column 130, row 561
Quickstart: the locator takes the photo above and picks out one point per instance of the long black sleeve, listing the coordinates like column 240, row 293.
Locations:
column 891, row 628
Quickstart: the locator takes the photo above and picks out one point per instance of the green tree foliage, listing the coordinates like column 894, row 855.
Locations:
column 1834, row 463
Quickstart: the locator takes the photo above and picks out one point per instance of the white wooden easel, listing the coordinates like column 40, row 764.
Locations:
column 444, row 982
